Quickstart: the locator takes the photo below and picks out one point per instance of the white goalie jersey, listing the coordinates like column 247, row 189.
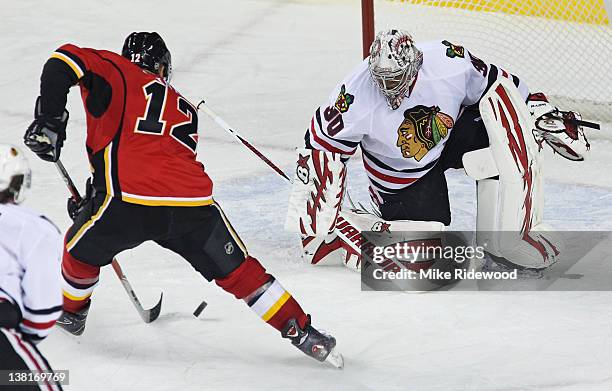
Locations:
column 400, row 146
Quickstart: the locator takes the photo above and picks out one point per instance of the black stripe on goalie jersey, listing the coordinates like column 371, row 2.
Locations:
column 380, row 164
column 74, row 58
column 308, row 145
column 384, row 189
column 493, row 72
column 349, row 144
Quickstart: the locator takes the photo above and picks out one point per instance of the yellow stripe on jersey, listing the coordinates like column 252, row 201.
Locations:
column 73, row 65
column 85, row 227
column 231, row 230
column 75, row 298
column 107, row 169
column 277, row 306
column 109, row 189
column 152, row 201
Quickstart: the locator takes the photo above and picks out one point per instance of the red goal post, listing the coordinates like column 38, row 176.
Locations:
column 367, row 23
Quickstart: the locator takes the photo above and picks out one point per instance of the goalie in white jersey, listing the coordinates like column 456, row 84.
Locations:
column 414, row 111
column 30, row 272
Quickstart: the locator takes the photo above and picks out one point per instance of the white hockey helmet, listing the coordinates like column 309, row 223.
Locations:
column 394, row 63
column 15, row 174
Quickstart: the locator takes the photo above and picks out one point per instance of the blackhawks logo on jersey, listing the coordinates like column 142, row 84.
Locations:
column 422, row 129
column 454, row 50
column 344, row 100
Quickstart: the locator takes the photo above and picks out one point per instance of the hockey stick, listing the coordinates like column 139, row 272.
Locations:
column 219, row 121
column 351, row 240
column 563, row 116
column 147, row 316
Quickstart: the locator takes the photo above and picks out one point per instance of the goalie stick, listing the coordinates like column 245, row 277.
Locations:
column 147, row 316
column 564, row 116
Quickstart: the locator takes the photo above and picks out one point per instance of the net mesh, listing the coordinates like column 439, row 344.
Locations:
column 561, row 48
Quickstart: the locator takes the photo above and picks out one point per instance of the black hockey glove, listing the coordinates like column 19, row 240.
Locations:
column 76, row 207
column 46, row 135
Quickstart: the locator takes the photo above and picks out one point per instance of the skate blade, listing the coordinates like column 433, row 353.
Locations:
column 335, row 359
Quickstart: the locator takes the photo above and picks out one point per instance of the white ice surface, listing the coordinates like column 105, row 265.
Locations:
column 264, row 66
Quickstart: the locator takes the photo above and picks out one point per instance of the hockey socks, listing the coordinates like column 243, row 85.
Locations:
column 79, row 282
column 264, row 294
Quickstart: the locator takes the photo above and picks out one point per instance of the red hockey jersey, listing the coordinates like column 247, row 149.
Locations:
column 141, row 132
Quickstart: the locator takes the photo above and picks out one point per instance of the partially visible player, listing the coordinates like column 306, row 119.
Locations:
column 30, row 272
column 147, row 185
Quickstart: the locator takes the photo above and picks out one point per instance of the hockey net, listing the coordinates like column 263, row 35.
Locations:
column 560, row 47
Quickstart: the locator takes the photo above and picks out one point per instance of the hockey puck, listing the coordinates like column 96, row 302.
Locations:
column 200, row 308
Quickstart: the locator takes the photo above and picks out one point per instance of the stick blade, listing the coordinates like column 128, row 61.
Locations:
column 151, row 314
column 335, row 359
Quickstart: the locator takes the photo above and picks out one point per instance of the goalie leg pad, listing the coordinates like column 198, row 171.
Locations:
column 345, row 246
column 318, row 189
column 510, row 209
column 326, row 250
column 480, row 164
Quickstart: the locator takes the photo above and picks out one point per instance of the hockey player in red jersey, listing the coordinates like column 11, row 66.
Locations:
column 147, row 184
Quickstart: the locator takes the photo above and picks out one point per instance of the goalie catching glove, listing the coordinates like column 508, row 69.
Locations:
column 558, row 128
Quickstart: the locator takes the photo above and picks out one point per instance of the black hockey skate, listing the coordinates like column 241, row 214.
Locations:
column 313, row 343
column 74, row 323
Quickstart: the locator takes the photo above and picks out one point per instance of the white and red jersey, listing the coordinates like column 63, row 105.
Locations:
column 400, row 146
column 30, row 268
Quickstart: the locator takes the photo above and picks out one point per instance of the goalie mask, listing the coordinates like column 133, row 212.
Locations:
column 15, row 174
column 394, row 63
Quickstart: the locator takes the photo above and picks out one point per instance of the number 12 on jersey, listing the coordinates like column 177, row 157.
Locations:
column 151, row 123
